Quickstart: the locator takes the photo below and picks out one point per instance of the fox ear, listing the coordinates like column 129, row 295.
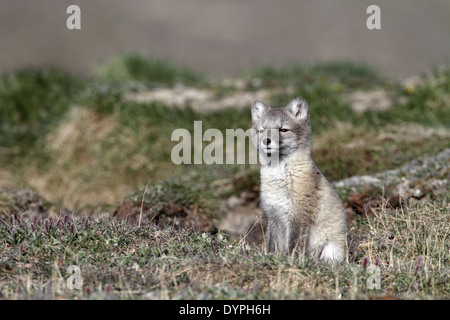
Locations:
column 299, row 108
column 258, row 109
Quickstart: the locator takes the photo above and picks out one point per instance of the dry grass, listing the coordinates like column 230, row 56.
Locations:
column 118, row 260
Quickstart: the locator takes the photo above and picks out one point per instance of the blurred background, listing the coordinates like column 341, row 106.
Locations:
column 224, row 38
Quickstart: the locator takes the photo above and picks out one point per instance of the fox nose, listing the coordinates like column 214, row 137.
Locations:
column 266, row 141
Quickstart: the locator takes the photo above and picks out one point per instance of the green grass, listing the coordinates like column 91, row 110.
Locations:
column 181, row 196
column 138, row 68
column 32, row 102
column 428, row 104
column 340, row 74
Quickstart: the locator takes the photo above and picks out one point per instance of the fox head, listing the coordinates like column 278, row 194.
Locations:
column 281, row 131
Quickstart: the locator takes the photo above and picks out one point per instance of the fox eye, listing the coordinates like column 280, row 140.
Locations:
column 284, row 130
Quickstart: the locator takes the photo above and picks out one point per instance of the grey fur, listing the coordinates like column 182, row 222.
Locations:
column 304, row 213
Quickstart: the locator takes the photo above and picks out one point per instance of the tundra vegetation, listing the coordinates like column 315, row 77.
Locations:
column 86, row 179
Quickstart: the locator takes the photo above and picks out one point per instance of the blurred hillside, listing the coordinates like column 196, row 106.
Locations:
column 86, row 179
column 88, row 141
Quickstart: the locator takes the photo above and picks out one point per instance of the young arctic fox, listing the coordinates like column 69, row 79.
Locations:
column 304, row 213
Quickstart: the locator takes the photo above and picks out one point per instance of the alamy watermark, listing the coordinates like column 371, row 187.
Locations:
column 74, row 281
column 73, row 22
column 373, row 22
column 372, row 271
column 374, row 279
column 211, row 147
column 56, row 285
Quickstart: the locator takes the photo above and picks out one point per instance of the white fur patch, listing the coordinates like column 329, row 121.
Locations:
column 299, row 108
column 332, row 253
column 276, row 197
column 303, row 113
column 275, row 194
column 274, row 173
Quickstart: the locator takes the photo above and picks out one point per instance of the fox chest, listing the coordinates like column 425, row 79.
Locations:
column 276, row 203
column 277, row 197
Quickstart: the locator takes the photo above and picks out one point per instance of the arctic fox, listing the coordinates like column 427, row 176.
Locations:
column 304, row 213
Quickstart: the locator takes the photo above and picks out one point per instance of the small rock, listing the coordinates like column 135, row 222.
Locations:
column 357, row 181
column 376, row 100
